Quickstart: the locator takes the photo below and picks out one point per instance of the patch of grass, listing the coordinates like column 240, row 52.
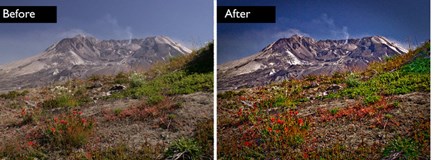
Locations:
column 371, row 99
column 230, row 94
column 305, row 99
column 397, row 82
column 171, row 84
column 184, row 148
column 282, row 101
column 407, row 148
column 14, row 94
column 154, row 99
column 334, row 111
column 332, row 96
column 396, row 103
column 389, row 116
column 193, row 83
column 398, row 75
column 172, row 78
column 352, row 81
column 60, row 101
column 419, row 65
column 117, row 111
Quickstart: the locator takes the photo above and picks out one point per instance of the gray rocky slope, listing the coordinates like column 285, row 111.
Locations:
column 83, row 56
column 299, row 56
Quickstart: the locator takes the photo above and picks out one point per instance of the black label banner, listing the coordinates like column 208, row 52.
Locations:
column 246, row 14
column 28, row 14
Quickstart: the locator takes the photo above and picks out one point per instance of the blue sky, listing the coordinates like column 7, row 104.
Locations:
column 399, row 20
column 189, row 22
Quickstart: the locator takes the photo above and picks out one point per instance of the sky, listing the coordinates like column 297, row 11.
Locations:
column 189, row 22
column 401, row 21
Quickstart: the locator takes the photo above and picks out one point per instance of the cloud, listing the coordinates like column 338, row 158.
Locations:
column 335, row 31
column 117, row 30
column 288, row 33
column 71, row 33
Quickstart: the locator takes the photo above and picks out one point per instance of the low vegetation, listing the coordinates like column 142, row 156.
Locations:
column 179, row 76
column 13, row 94
column 68, row 130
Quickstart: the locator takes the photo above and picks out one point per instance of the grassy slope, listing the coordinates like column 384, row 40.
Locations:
column 59, row 127
column 297, row 120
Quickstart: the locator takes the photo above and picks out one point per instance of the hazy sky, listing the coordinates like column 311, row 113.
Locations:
column 398, row 20
column 189, row 22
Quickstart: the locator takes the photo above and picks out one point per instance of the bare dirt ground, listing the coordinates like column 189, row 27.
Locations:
column 195, row 107
column 412, row 109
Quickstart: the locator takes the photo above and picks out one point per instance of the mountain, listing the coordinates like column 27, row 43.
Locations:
column 299, row 56
column 83, row 56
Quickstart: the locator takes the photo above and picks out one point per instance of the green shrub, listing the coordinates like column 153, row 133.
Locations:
column 117, row 111
column 371, row 99
column 408, row 148
column 187, row 147
column 334, row 111
column 136, row 80
column 419, row 65
column 352, row 82
column 396, row 103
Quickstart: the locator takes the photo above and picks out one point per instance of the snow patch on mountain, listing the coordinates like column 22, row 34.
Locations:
column 293, row 60
column 77, row 60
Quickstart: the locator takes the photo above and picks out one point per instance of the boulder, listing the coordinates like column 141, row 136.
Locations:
column 334, row 87
column 117, row 87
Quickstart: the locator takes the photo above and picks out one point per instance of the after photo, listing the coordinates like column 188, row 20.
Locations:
column 327, row 80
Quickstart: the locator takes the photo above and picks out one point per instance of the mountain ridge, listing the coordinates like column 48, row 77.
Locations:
column 82, row 56
column 299, row 56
